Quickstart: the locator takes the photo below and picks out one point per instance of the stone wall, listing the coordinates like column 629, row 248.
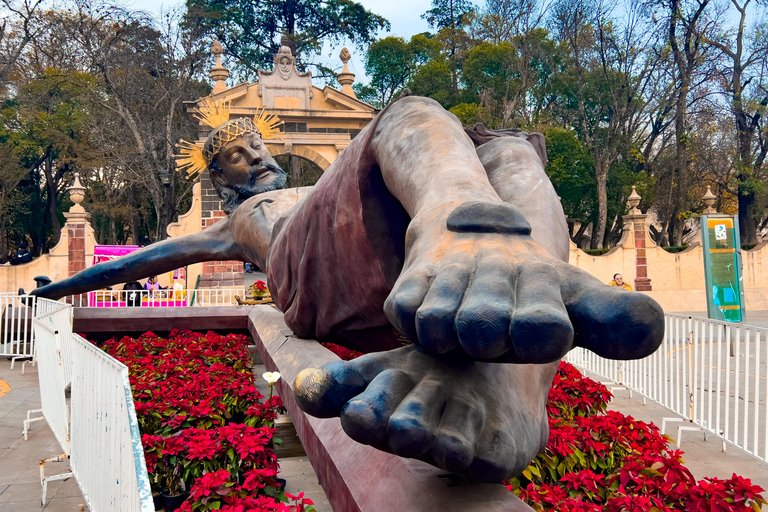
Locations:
column 676, row 280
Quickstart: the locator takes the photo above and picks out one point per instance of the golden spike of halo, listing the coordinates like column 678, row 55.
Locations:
column 190, row 158
column 214, row 113
column 267, row 124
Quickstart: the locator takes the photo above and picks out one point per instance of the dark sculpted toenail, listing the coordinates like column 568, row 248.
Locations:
column 480, row 217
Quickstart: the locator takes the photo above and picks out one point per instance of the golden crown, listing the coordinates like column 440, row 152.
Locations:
column 194, row 159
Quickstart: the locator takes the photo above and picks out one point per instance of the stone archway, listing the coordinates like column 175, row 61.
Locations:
column 302, row 172
column 302, row 151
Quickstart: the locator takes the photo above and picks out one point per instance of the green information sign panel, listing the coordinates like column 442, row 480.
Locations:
column 722, row 267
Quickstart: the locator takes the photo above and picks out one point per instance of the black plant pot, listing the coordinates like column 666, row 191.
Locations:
column 238, row 417
column 173, row 503
column 158, row 499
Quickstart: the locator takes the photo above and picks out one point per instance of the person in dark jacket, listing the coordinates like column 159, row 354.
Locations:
column 22, row 255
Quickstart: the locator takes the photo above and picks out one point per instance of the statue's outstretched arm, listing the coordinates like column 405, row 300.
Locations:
column 214, row 243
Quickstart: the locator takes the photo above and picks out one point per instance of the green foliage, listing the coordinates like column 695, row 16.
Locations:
column 448, row 13
column 251, row 30
column 675, row 248
column 570, row 166
column 434, row 80
column 597, row 252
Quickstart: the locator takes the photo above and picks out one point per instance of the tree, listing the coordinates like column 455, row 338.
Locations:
column 251, row 31
column 18, row 28
column 744, row 53
column 687, row 48
column 391, row 62
column 448, row 13
column 11, row 198
column 143, row 74
column 601, row 85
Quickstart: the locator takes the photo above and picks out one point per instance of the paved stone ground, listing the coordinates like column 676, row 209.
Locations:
column 20, row 488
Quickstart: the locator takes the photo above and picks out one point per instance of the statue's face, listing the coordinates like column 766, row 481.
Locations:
column 247, row 167
column 285, row 66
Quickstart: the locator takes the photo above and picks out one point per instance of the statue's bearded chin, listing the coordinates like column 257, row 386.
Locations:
column 277, row 181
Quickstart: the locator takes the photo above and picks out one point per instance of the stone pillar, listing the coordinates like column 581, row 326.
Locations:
column 216, row 274
column 77, row 227
column 346, row 78
column 218, row 72
column 636, row 220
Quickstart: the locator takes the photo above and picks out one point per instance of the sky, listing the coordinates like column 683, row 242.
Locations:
column 403, row 15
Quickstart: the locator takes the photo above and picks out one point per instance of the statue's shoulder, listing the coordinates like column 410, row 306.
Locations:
column 275, row 202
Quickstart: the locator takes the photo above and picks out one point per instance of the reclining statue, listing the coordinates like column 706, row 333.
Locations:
column 443, row 258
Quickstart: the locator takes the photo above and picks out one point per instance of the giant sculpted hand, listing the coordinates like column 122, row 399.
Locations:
column 477, row 291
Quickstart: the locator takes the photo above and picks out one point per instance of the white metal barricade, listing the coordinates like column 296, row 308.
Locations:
column 51, row 378
column 157, row 298
column 107, row 454
column 58, row 316
column 101, row 435
column 711, row 374
column 17, row 339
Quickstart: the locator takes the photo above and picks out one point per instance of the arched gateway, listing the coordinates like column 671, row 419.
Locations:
column 318, row 123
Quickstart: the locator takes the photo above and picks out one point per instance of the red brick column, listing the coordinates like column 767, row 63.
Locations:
column 216, row 273
column 642, row 281
column 77, row 227
column 76, row 246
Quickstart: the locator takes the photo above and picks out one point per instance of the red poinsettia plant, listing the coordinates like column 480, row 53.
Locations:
column 203, row 421
column 598, row 460
column 259, row 289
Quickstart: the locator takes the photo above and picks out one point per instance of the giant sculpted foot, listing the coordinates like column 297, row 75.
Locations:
column 486, row 420
column 474, row 280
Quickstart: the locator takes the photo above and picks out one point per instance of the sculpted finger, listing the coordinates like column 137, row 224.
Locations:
column 413, row 426
column 435, row 319
column 612, row 322
column 483, row 320
column 457, row 435
column 404, row 300
column 365, row 417
column 541, row 330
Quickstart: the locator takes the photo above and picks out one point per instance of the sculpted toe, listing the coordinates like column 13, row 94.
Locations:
column 403, row 303
column 483, row 329
column 365, row 417
column 541, row 334
column 617, row 324
column 322, row 392
column 453, row 451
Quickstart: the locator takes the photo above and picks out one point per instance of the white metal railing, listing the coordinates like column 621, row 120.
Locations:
column 107, row 454
column 16, row 335
column 107, row 458
column 52, row 385
column 157, row 298
column 710, row 373
column 57, row 317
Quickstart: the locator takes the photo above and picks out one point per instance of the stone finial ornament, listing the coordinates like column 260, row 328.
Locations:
column 708, row 199
column 633, row 201
column 77, row 195
column 218, row 73
column 346, row 77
